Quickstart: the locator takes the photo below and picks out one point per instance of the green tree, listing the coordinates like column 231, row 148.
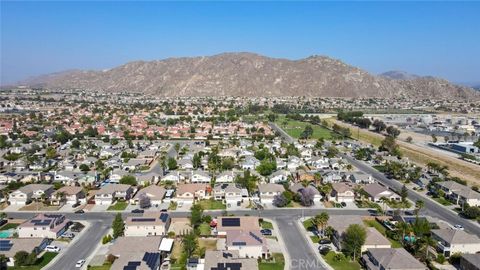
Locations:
column 197, row 161
column 196, row 215
column 419, row 204
column 332, row 152
column 128, row 180
column 118, row 226
column 404, row 193
column 353, row 239
column 321, row 220
column 190, row 244
column 50, row 153
column 171, row 163
column 84, row 168
column 21, row 258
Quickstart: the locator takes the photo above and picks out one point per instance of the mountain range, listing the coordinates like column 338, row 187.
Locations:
column 248, row 74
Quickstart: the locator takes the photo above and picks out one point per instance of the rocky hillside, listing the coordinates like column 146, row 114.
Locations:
column 247, row 74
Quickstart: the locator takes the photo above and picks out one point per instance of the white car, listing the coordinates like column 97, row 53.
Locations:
column 80, row 263
column 52, row 248
column 458, row 227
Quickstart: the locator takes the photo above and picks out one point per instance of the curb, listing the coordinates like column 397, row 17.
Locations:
column 286, row 255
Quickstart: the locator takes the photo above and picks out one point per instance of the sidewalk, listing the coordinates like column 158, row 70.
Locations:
column 324, row 264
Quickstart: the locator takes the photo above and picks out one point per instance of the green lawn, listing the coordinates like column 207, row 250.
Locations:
column 340, row 265
column 266, row 225
column 118, row 206
column 39, row 264
column 315, row 238
column 9, row 226
column 443, row 201
column 277, row 263
column 383, row 231
column 204, row 229
column 295, row 128
column 212, row 204
column 308, row 224
column 101, row 267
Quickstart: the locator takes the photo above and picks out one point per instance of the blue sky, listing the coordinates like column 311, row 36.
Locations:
column 425, row 38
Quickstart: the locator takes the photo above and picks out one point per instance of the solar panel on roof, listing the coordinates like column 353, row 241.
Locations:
column 143, row 219
column 151, row 259
column 230, row 222
column 239, row 243
column 5, row 245
column 164, row 217
column 256, row 237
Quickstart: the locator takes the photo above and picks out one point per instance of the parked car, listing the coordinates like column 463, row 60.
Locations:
column 51, row 248
column 163, row 210
column 324, row 249
column 458, row 227
column 138, row 211
column 324, row 241
column 68, row 235
column 77, row 204
column 80, row 263
column 79, row 211
column 343, row 204
column 266, row 232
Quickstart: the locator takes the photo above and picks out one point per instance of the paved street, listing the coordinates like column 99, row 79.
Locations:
column 83, row 247
column 431, row 208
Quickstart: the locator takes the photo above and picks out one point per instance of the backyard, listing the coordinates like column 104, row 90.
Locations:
column 277, row 263
column 343, row 264
column 379, row 227
column 39, row 264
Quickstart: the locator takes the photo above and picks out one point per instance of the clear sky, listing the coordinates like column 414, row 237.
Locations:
column 425, row 38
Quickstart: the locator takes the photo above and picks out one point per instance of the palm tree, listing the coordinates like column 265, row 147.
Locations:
column 322, row 220
column 404, row 227
column 384, row 201
column 419, row 204
column 326, row 189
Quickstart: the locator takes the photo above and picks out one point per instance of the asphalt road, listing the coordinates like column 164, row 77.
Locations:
column 282, row 132
column 300, row 252
column 83, row 247
column 431, row 208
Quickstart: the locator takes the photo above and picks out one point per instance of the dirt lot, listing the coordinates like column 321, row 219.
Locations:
column 422, row 155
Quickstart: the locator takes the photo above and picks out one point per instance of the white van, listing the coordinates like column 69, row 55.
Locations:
column 52, row 249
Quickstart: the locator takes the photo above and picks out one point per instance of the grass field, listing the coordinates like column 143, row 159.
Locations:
column 340, row 265
column 39, row 264
column 308, row 224
column 443, row 201
column 277, row 263
column 118, row 206
column 208, row 244
column 212, row 204
column 266, row 225
column 9, row 226
column 379, row 227
column 295, row 128
column 101, row 267
column 204, row 229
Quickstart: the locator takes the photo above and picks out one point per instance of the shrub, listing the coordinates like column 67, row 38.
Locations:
column 111, row 258
column 339, row 257
column 440, row 258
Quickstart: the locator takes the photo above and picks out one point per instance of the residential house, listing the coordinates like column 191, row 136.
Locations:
column 391, row 258
column 225, row 259
column 332, row 176
column 279, row 176
column 267, row 192
column 111, row 192
column 200, row 177
column 470, row 262
column 10, row 247
column 225, row 177
column 69, row 195
column 376, row 192
column 340, row 224
column 451, row 241
column 225, row 224
column 43, row 226
column 26, row 194
column 250, row 163
column 228, row 192
column 173, row 176
column 375, row 239
column 459, row 194
column 248, row 243
column 153, row 192
column 360, row 178
column 151, row 223
column 342, row 192
column 188, row 193
column 299, row 188
column 136, row 253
